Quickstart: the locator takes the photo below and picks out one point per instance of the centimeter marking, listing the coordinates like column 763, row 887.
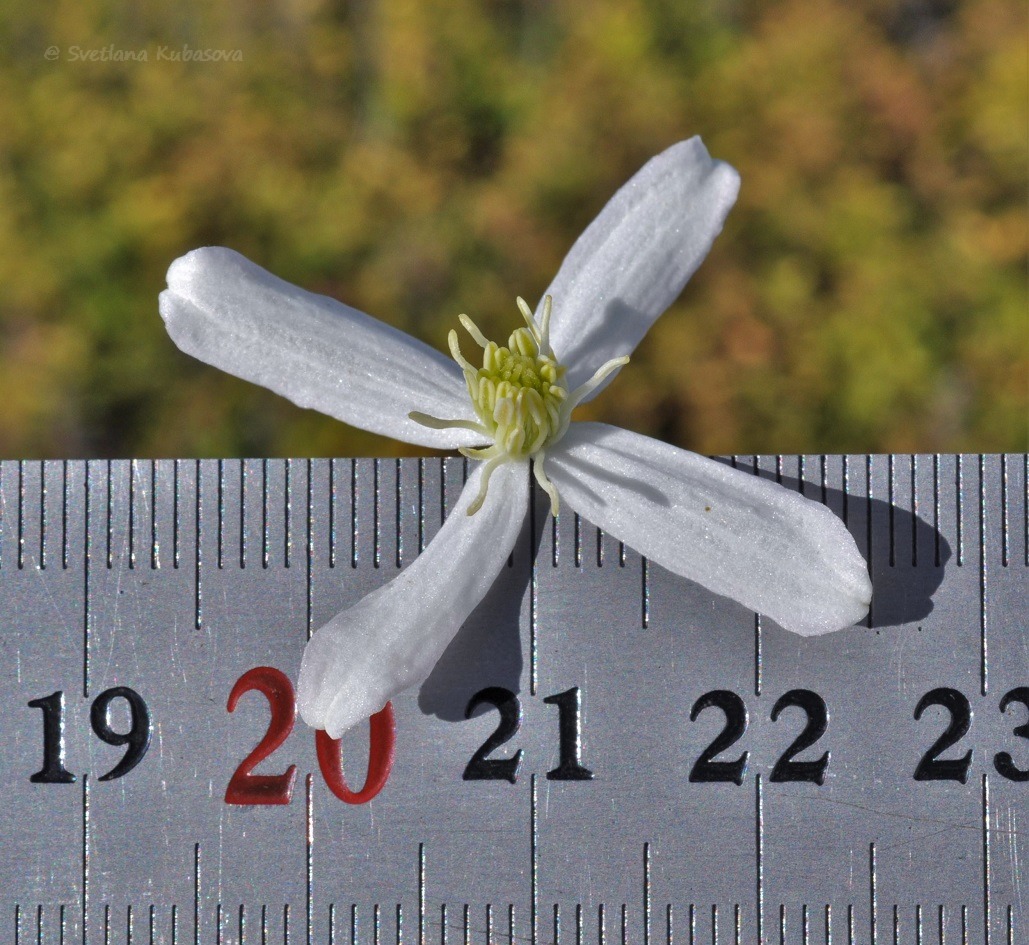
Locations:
column 143, row 479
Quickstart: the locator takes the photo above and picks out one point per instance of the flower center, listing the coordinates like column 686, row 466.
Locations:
column 519, row 395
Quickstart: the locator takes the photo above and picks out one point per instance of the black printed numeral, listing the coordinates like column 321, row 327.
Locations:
column 786, row 769
column 53, row 770
column 931, row 767
column 569, row 709
column 482, row 767
column 137, row 738
column 1003, row 761
column 707, row 769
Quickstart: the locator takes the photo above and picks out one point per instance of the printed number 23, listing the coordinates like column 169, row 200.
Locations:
column 245, row 787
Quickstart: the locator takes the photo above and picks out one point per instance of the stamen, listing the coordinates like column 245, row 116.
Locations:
column 548, row 303
column 481, row 452
column 594, row 382
column 455, row 352
column 545, row 484
column 584, row 390
column 434, row 423
column 486, row 473
column 530, row 322
column 473, row 330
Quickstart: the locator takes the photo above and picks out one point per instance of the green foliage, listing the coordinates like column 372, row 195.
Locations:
column 419, row 158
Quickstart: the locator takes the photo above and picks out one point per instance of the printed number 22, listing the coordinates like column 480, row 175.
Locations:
column 245, row 787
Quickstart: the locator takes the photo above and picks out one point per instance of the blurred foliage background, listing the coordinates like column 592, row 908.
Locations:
column 419, row 158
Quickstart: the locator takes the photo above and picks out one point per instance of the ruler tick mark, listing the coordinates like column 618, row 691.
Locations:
column 533, row 595
column 1003, row 510
column 198, row 529
column 353, row 513
column 175, row 514
column 399, row 503
column 309, row 582
column 308, row 855
column 21, row 515
column 421, row 504
column 914, row 511
column 646, row 894
column 196, row 896
column 287, row 515
column 421, row 894
column 219, row 503
column 983, row 668
column 757, row 654
column 872, row 903
column 986, row 861
column 759, row 841
column 534, row 861
column 64, row 514
column 42, row 516
column 645, row 591
column 376, row 537
column 155, row 561
column 85, row 857
column 110, row 516
column 959, row 489
column 332, row 513
column 891, row 500
column 936, row 508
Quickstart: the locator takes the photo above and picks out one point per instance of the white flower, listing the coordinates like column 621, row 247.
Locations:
column 747, row 538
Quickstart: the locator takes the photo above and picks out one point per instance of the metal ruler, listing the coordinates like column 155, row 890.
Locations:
column 644, row 762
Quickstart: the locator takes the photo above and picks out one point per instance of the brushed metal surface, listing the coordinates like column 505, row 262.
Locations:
column 174, row 577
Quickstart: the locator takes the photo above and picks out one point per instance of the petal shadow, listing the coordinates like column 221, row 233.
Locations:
column 487, row 650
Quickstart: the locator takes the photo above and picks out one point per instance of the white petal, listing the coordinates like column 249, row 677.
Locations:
column 392, row 638
column 633, row 260
column 227, row 311
column 736, row 534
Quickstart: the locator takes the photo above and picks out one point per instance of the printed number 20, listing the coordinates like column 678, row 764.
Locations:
column 245, row 787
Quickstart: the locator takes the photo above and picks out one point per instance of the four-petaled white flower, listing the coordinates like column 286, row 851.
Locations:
column 737, row 535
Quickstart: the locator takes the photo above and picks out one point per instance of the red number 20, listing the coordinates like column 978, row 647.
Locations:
column 245, row 787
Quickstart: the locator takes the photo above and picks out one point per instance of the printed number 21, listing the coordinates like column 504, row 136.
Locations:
column 245, row 787
column 569, row 707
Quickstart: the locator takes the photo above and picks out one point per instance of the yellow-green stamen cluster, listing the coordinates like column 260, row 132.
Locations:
column 519, row 396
